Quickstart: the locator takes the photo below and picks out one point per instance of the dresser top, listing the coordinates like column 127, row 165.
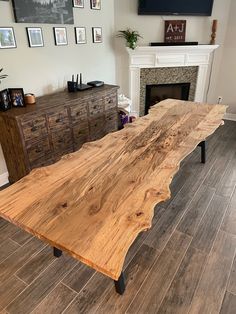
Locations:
column 58, row 99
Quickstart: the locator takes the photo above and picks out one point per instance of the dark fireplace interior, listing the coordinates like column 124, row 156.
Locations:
column 158, row 92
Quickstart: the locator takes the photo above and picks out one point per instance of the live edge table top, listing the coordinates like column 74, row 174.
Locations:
column 94, row 202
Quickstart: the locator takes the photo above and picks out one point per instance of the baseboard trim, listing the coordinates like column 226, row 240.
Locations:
column 230, row 116
column 4, row 178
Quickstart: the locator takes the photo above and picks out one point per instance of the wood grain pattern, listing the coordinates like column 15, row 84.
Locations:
column 9, row 290
column 229, row 222
column 210, row 223
column 57, row 301
column 179, row 296
column 229, row 304
column 232, row 279
column 215, row 276
column 156, row 284
column 94, row 203
column 41, row 287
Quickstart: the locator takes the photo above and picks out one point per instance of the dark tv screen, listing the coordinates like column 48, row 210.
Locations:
column 175, row 7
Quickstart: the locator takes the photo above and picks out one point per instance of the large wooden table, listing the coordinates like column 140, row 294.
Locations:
column 93, row 203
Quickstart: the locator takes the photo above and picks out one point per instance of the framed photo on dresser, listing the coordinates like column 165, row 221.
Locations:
column 5, row 102
column 17, row 97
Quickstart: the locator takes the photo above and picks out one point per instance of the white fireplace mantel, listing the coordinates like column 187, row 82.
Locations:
column 168, row 56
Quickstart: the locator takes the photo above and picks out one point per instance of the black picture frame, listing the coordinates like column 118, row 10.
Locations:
column 37, row 40
column 7, row 38
column 5, row 102
column 80, row 35
column 97, row 35
column 17, row 97
column 95, row 4
column 31, row 11
column 60, row 36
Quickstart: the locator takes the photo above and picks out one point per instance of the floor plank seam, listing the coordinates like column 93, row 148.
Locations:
column 208, row 256
column 15, row 275
column 36, row 253
column 26, row 287
column 152, row 266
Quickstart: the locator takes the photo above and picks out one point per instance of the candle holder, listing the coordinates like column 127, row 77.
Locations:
column 213, row 33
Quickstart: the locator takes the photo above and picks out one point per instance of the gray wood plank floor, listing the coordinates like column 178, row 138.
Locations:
column 184, row 264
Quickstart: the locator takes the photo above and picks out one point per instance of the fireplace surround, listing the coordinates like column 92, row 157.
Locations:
column 168, row 65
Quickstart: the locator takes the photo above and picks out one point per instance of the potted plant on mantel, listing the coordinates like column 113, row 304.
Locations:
column 2, row 76
column 130, row 36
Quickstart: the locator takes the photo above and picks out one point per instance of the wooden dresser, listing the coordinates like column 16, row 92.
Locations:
column 58, row 124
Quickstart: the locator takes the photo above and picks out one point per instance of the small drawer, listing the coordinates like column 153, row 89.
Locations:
column 78, row 113
column 96, row 107
column 62, row 142
column 110, row 101
column 34, row 129
column 39, row 151
column 58, row 120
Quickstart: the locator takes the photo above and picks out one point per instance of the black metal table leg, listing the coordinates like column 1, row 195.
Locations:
column 57, row 252
column 203, row 151
column 120, row 284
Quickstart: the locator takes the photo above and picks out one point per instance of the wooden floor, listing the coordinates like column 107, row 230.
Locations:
column 185, row 264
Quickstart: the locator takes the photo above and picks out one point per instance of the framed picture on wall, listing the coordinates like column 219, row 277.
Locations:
column 78, row 3
column 80, row 35
column 43, row 11
column 7, row 38
column 5, row 102
column 35, row 36
column 60, row 36
column 17, row 97
column 95, row 4
column 97, row 34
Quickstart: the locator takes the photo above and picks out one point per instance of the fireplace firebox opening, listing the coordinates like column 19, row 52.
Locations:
column 158, row 92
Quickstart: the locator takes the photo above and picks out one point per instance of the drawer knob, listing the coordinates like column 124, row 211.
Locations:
column 58, row 120
column 34, row 128
column 38, row 150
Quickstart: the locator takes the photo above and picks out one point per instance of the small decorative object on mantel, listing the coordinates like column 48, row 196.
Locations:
column 175, row 31
column 130, row 36
column 213, row 34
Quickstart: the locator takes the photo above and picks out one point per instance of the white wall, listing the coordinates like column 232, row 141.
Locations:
column 226, row 85
column 44, row 70
column 152, row 30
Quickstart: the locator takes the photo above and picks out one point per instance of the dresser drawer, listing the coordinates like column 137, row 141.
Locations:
column 111, row 117
column 78, row 112
column 110, row 101
column 97, row 128
column 96, row 107
column 58, row 120
column 34, row 129
column 39, row 152
column 81, row 135
column 62, row 142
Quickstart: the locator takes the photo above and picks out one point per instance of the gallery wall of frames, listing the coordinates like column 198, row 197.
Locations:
column 50, row 12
